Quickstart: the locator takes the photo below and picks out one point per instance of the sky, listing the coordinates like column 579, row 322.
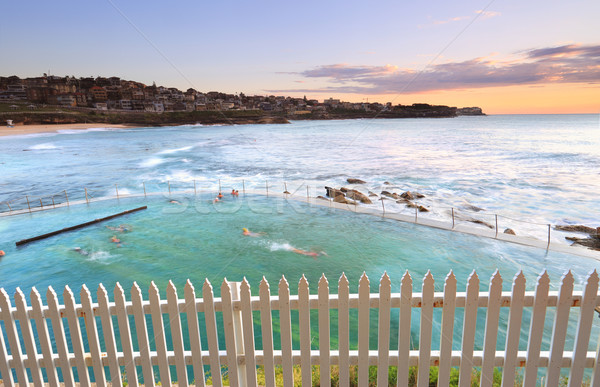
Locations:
column 506, row 56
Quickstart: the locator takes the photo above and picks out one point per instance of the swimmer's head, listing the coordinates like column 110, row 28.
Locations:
column 245, row 229
column 77, row 248
column 2, row 253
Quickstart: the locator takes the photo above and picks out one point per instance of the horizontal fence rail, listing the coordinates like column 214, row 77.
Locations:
column 108, row 341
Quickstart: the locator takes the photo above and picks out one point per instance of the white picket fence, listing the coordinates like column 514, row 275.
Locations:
column 33, row 347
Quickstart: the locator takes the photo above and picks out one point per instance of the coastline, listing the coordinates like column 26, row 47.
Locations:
column 19, row 130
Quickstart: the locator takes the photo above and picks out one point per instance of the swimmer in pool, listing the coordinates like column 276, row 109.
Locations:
column 249, row 233
column 121, row 228
column 313, row 254
column 114, row 239
column 81, row 251
column 174, row 202
column 2, row 253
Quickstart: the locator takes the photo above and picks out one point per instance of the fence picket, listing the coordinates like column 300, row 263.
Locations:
column 266, row 324
column 324, row 342
column 108, row 330
column 285, row 328
column 446, row 335
column 515, row 318
column 305, row 338
column 469, row 325
column 5, row 369
column 164, row 371
column 125, row 331
column 536, row 329
column 44, row 338
column 176, row 334
column 559, row 331
column 364, row 300
column 60, row 339
column 383, row 346
column 248, row 326
column 211, row 333
column 229, row 331
column 425, row 330
column 28, row 338
column 584, row 326
column 491, row 330
column 404, row 328
column 141, row 331
column 91, row 329
column 13, row 338
column 344, row 330
column 194, row 332
column 76, row 339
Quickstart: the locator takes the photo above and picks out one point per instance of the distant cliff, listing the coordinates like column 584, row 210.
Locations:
column 470, row 111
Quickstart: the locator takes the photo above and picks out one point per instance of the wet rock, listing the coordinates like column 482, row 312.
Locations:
column 593, row 242
column 390, row 195
column 407, row 195
column 286, row 192
column 403, row 201
column 510, row 231
column 418, row 195
column 387, row 183
column 356, row 195
column 423, row 209
column 355, row 181
column 342, row 199
column 372, row 194
column 576, row 228
column 477, row 221
column 473, row 208
column 344, row 189
column 332, row 192
column 409, row 204
column 322, row 197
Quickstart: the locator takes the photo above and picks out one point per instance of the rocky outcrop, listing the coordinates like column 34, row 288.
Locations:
column 342, row 199
column 322, row 198
column 470, row 111
column 333, row 192
column 356, row 195
column 577, row 228
column 372, row 194
column 593, row 242
column 390, row 195
column 510, row 231
column 355, row 181
column 407, row 195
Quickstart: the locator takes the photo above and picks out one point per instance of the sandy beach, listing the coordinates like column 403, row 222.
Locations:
column 18, row 130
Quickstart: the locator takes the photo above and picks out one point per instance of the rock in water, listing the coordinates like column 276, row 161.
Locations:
column 342, row 199
column 355, row 181
column 423, row 209
column 576, row 228
column 407, row 195
column 390, row 195
column 332, row 192
column 356, row 195
column 510, row 231
column 372, row 194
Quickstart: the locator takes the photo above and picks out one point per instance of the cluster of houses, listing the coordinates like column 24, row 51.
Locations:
column 115, row 93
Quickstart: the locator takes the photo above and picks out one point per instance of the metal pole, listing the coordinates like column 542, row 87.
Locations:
column 169, row 183
column 244, row 186
column 194, row 187
column 452, row 217
column 67, row 197
column 86, row 196
column 416, row 213
column 382, row 206
column 41, row 204
column 285, row 186
column 219, row 185
column 9, row 209
column 117, row 189
column 307, row 194
column 549, row 226
column 144, row 184
column 267, row 185
column 28, row 206
column 53, row 202
column 496, row 226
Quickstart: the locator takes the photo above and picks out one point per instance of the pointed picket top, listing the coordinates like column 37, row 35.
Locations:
column 303, row 283
column 343, row 281
column 206, row 288
column 543, row 279
column 385, row 281
column 364, row 280
column 85, row 292
column 119, row 291
column 283, row 286
column 135, row 290
column 592, row 278
column 264, row 283
column 225, row 288
column 101, row 292
column 34, row 295
column 428, row 279
column 245, row 286
column 153, row 290
column 323, row 281
column 496, row 278
column 50, row 293
column 406, row 280
column 171, row 288
column 450, row 276
column 473, row 279
column 189, row 288
column 5, row 297
column 567, row 279
column 519, row 277
column 19, row 296
column 68, row 292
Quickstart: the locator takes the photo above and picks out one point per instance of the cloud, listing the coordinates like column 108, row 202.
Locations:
column 480, row 14
column 563, row 64
column 487, row 14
